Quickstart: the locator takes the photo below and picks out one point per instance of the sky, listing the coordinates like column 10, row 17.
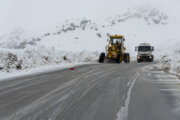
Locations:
column 32, row 14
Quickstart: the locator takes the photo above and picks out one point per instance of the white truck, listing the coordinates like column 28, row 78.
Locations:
column 145, row 52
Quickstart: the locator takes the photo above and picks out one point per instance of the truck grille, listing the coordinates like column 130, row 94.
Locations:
column 144, row 55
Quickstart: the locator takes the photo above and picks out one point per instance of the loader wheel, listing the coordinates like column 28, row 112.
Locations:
column 126, row 58
column 101, row 58
column 118, row 59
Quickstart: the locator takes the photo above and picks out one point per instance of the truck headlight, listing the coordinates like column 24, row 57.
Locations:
column 138, row 57
column 150, row 56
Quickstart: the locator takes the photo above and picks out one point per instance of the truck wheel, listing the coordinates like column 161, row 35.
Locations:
column 138, row 61
column 152, row 58
column 101, row 58
column 119, row 59
column 126, row 58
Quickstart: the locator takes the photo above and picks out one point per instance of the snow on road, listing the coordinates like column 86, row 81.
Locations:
column 167, row 84
column 123, row 112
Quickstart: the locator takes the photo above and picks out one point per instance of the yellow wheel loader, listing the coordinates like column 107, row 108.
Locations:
column 115, row 50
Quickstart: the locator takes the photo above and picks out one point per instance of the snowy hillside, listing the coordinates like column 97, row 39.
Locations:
column 82, row 40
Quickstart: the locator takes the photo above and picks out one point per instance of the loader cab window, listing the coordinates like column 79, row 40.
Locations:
column 144, row 48
column 116, row 40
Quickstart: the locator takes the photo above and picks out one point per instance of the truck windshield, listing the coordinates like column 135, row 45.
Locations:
column 144, row 48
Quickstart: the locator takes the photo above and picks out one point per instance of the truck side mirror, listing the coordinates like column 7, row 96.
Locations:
column 136, row 49
column 123, row 39
column 152, row 48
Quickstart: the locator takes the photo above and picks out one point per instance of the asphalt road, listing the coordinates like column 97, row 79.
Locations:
column 92, row 92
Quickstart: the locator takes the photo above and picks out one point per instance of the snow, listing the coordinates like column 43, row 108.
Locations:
column 39, row 70
column 19, row 13
column 169, row 63
column 123, row 112
column 39, row 56
column 82, row 38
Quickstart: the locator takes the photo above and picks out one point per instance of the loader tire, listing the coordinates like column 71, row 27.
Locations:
column 101, row 58
column 126, row 58
column 118, row 59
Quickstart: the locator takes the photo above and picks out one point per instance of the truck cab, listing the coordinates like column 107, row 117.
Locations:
column 145, row 52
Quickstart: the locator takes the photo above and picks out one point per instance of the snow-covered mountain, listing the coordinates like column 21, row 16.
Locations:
column 77, row 32
column 82, row 39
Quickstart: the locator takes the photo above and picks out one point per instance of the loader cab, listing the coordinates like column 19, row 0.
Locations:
column 116, row 40
column 116, row 45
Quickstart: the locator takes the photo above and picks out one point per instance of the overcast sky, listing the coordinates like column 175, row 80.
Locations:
column 30, row 14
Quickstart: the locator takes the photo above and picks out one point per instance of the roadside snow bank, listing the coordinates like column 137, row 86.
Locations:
column 21, row 59
column 37, row 70
column 169, row 63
